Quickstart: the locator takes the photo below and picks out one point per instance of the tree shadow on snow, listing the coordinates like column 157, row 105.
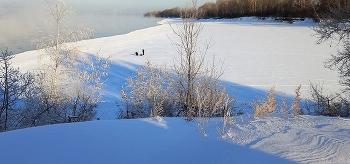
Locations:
column 120, row 70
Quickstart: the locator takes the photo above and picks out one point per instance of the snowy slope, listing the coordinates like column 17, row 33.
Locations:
column 120, row 141
column 172, row 140
column 307, row 139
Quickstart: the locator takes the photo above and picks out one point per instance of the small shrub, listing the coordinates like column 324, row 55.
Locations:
column 296, row 103
column 149, row 93
column 328, row 105
column 265, row 106
column 283, row 106
column 227, row 121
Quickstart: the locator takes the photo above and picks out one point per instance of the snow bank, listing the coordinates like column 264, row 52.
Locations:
column 123, row 141
column 172, row 140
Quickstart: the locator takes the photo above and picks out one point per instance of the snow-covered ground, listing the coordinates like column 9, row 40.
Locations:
column 307, row 139
column 257, row 55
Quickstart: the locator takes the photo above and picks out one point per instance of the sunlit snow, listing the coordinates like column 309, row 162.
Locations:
column 257, row 55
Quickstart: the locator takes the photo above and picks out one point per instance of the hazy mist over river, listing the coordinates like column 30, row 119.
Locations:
column 19, row 40
column 21, row 20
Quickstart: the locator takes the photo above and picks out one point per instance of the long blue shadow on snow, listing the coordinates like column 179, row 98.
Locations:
column 118, row 72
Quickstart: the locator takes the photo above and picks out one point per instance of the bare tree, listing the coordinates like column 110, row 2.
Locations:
column 13, row 85
column 5, row 59
column 335, row 26
column 190, row 59
column 198, row 89
column 58, row 52
column 86, row 86
column 70, row 80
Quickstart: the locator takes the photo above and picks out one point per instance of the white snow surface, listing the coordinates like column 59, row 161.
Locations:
column 257, row 55
column 307, row 139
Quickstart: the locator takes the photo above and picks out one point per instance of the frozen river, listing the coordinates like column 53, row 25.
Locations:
column 17, row 35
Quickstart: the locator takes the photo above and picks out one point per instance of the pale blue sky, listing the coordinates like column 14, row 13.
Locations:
column 131, row 6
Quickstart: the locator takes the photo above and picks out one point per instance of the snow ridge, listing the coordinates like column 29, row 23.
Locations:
column 307, row 139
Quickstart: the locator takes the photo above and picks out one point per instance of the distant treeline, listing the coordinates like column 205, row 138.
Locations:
column 259, row 8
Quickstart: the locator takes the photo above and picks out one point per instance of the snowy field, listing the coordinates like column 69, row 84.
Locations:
column 306, row 139
column 257, row 55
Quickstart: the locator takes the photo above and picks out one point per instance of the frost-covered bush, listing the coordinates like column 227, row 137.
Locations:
column 154, row 91
column 68, row 82
column 150, row 92
column 328, row 105
column 269, row 104
column 265, row 106
column 296, row 103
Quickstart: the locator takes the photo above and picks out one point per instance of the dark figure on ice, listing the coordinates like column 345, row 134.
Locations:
column 143, row 52
column 136, row 53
